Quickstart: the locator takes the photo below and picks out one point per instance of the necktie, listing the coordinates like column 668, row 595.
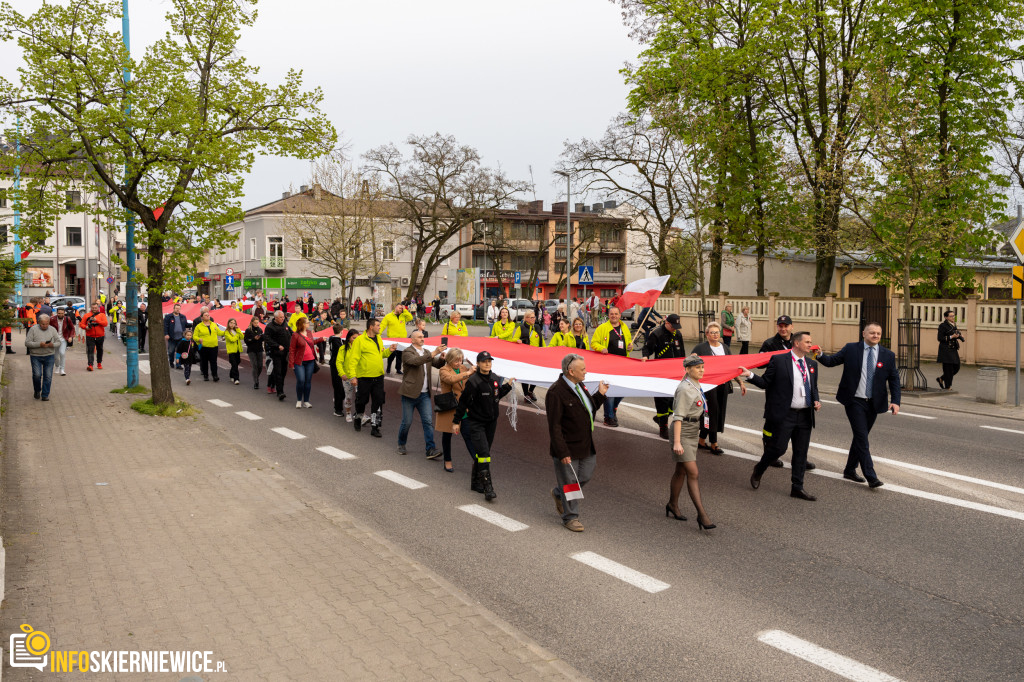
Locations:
column 586, row 406
column 807, row 383
column 869, row 374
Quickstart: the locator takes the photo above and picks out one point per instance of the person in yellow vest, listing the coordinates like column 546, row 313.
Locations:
column 526, row 333
column 364, row 366
column 579, row 335
column 563, row 337
column 612, row 338
column 207, row 334
column 233, row 337
column 455, row 326
column 294, row 317
column 503, row 328
column 393, row 327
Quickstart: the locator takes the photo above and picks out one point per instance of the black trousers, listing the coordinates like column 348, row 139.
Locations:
column 142, row 338
column 338, row 384
column 369, row 390
column 479, row 438
column 949, row 370
column 234, row 359
column 396, row 357
column 208, row 361
column 275, row 379
column 94, row 344
column 796, row 427
column 861, row 414
column 663, row 409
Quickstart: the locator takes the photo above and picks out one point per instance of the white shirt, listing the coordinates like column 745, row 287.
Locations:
column 423, row 351
column 586, row 399
column 799, row 401
column 492, row 313
column 717, row 350
column 862, row 385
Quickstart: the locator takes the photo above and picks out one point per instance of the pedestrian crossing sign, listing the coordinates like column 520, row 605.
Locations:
column 1018, row 282
column 586, row 275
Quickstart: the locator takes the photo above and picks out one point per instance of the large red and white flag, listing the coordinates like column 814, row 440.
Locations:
column 643, row 292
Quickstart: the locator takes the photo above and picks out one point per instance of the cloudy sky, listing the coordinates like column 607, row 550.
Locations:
column 513, row 79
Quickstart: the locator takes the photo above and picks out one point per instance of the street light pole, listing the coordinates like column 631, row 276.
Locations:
column 19, row 275
column 132, row 290
column 568, row 233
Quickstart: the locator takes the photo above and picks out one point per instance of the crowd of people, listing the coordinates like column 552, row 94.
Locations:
column 455, row 397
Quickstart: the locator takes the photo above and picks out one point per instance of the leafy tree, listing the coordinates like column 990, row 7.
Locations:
column 171, row 146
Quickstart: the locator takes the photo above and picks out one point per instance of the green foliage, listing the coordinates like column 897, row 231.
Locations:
column 8, row 280
column 178, row 408
column 133, row 389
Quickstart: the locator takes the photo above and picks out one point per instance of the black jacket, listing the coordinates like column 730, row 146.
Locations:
column 169, row 323
column 777, row 382
column 189, row 351
column 661, row 344
column 253, row 340
column 275, row 335
column 949, row 343
column 851, row 357
column 569, row 428
column 776, row 343
column 703, row 349
column 480, row 398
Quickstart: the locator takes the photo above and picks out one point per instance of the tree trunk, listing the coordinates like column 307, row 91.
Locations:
column 760, row 267
column 159, row 373
column 715, row 278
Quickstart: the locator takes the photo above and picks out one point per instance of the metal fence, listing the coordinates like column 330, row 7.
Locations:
column 908, row 355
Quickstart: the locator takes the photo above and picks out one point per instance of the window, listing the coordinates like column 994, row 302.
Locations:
column 3, row 198
column 72, row 199
column 73, row 236
column 609, row 293
column 559, row 254
column 275, row 247
column 252, row 249
column 525, row 231
column 353, row 252
column 481, row 261
column 387, row 250
column 3, row 232
column 560, row 240
column 611, row 235
column 306, row 248
column 522, row 262
column 611, row 264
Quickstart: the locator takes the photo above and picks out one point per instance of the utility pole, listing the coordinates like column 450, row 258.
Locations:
column 132, row 291
column 18, row 275
column 568, row 234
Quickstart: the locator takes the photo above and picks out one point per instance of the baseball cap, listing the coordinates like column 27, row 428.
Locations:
column 672, row 319
column 784, row 319
column 483, row 356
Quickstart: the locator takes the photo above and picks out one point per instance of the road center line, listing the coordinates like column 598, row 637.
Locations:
column 245, row 414
column 287, row 433
column 218, row 402
column 335, row 452
column 398, row 478
column 999, row 428
column 623, row 573
column 823, row 658
column 499, row 520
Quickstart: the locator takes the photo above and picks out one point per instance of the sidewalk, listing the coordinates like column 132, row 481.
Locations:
column 126, row 532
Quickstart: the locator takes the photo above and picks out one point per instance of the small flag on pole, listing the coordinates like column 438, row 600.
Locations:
column 572, row 491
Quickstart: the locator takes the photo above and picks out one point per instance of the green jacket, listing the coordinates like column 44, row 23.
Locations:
column 365, row 357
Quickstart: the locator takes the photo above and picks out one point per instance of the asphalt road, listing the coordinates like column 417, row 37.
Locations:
column 903, row 580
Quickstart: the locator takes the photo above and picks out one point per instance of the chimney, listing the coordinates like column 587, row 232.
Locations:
column 610, row 204
column 303, row 188
column 285, row 195
column 597, row 208
column 580, row 208
column 317, row 192
column 535, row 206
column 558, row 208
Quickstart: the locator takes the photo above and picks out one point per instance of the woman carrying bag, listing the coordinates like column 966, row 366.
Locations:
column 302, row 358
column 452, row 379
column 253, row 338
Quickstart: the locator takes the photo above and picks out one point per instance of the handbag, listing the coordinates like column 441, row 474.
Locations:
column 316, row 365
column 444, row 402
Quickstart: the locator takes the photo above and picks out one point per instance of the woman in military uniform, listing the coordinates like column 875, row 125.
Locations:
column 689, row 410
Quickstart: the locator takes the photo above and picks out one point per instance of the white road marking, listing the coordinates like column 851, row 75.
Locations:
column 919, row 416
column 623, row 573
column 638, row 407
column 144, row 366
column 977, row 506
column 335, row 452
column 398, row 478
column 999, row 428
column 218, row 402
column 494, row 517
column 823, row 658
column 287, row 433
column 245, row 414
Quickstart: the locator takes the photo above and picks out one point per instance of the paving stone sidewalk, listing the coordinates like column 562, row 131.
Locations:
column 193, row 543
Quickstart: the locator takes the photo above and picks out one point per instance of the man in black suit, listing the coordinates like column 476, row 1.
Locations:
column 790, row 382
column 869, row 378
column 570, row 411
column 783, row 340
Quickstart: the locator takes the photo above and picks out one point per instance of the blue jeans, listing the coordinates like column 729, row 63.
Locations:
column 42, row 374
column 303, row 380
column 426, row 410
column 610, row 406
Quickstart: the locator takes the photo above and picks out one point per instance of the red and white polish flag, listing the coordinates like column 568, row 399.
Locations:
column 643, row 292
column 572, row 491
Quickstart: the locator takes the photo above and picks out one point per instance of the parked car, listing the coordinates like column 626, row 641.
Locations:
column 465, row 309
column 517, row 307
column 551, row 305
column 76, row 302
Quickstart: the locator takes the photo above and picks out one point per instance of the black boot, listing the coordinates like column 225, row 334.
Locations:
column 475, row 484
column 485, row 480
column 376, row 421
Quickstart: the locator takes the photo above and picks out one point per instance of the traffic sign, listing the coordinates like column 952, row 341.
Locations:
column 229, row 280
column 518, row 278
column 586, row 275
column 189, row 279
column 229, row 271
column 1018, row 282
column 110, row 280
column 1017, row 241
column 229, row 287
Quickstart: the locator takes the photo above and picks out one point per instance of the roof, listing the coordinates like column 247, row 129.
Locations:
column 306, row 202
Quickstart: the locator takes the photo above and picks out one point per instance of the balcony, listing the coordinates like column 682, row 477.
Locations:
column 609, row 277
column 272, row 263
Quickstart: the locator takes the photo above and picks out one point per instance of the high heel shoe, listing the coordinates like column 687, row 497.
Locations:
column 705, row 527
column 669, row 512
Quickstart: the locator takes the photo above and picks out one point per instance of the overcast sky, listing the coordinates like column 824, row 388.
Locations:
column 513, row 79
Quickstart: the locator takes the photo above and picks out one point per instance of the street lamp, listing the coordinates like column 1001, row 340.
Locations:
column 568, row 230
column 132, row 291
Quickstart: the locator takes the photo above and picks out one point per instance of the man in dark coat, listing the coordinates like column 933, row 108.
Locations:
column 570, row 411
column 277, row 337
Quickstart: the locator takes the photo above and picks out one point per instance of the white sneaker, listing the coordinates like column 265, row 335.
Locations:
column 298, row 404
column 338, row 415
column 188, row 382
column 307, row 405
column 348, row 418
column 366, row 420
column 236, row 382
column 63, row 373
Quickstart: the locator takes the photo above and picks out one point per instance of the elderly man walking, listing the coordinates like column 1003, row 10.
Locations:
column 42, row 341
column 416, row 391
column 570, row 410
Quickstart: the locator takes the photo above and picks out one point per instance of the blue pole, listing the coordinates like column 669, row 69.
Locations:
column 18, row 280
column 132, row 294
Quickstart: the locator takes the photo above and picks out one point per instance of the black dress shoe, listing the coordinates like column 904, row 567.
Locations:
column 852, row 476
column 875, row 483
column 281, row 396
column 778, row 464
column 755, row 480
column 810, row 466
column 802, row 494
column 375, row 432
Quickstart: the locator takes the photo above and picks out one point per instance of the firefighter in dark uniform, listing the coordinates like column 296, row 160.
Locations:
column 664, row 341
column 476, row 418
column 783, row 340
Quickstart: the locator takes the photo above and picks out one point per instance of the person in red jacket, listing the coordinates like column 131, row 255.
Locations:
column 94, row 323
column 302, row 358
